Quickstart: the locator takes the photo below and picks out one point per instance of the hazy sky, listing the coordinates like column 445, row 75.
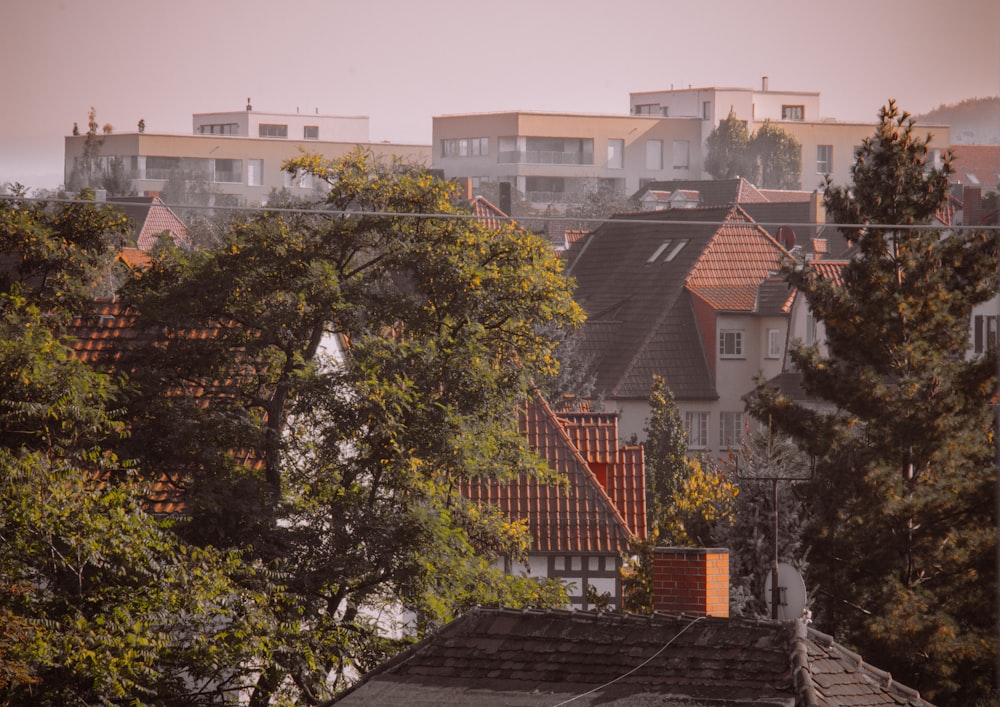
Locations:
column 400, row 62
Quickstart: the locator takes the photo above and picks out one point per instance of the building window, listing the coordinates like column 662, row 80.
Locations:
column 696, row 427
column 810, row 329
column 793, row 112
column 774, row 343
column 161, row 167
column 824, row 159
column 731, row 343
column 616, row 153
column 984, row 334
column 219, row 129
column 272, row 130
column 227, row 171
column 682, row 154
column 730, row 429
column 255, row 173
column 647, row 109
column 706, row 110
column 465, row 147
column 654, row 154
column 310, row 132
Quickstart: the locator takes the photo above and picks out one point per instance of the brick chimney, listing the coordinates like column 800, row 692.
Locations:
column 691, row 580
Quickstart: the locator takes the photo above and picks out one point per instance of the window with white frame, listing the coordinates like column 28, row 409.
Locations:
column 810, row 329
column 793, row 112
column 465, row 147
column 696, row 427
column 824, row 159
column 654, row 154
column 255, row 173
column 731, row 343
column 730, row 429
column 774, row 343
column 984, row 333
column 616, row 153
column 272, row 130
column 682, row 154
column 310, row 132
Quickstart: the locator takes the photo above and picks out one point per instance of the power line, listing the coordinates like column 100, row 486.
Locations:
column 620, row 218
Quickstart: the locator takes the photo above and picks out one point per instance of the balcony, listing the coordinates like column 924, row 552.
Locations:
column 544, row 157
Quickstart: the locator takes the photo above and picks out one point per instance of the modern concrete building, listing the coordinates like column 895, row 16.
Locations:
column 827, row 145
column 231, row 158
column 558, row 158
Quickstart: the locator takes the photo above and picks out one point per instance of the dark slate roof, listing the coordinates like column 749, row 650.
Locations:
column 774, row 297
column 579, row 517
column 501, row 657
column 641, row 318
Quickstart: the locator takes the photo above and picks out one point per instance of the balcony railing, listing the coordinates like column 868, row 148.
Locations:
column 543, row 157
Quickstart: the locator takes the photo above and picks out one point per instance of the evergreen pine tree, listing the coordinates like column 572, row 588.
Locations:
column 903, row 541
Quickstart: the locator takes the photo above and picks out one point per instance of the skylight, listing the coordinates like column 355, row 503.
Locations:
column 676, row 250
column 659, row 251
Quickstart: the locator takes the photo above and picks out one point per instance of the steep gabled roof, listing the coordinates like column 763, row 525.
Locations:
column 534, row 658
column 579, row 517
column 636, row 276
column 488, row 214
column 151, row 219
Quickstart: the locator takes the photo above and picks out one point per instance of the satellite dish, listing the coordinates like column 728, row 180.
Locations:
column 792, row 590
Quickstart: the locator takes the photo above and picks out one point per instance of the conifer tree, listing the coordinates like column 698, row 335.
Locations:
column 903, row 560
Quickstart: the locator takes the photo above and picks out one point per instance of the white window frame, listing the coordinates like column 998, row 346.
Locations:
column 774, row 346
column 682, row 154
column 696, row 428
column 310, row 132
column 731, row 343
column 654, row 155
column 616, row 153
column 255, row 173
column 730, row 429
column 793, row 112
column 824, row 159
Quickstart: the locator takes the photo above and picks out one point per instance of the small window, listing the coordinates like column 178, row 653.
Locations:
column 659, row 251
column 811, row 333
column 272, row 130
column 654, row 154
column 774, row 343
column 824, row 159
column 616, row 153
column 731, row 343
column 984, row 333
column 793, row 112
column 255, row 173
column 730, row 429
column 696, row 427
column 310, row 132
column 677, row 249
column 706, row 110
column 682, row 154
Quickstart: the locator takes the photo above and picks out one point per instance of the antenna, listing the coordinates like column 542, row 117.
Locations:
column 775, row 578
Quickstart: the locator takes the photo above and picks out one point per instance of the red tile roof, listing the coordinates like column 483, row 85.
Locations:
column 576, row 518
column 976, row 165
column 152, row 218
column 636, row 276
column 487, row 213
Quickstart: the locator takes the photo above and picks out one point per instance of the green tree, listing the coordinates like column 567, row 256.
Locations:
column 777, row 158
column 665, row 454
column 349, row 493
column 727, row 149
column 903, row 504
column 99, row 603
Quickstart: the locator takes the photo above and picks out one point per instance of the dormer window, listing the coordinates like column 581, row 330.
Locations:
column 731, row 343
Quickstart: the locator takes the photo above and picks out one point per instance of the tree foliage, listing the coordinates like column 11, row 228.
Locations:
column 98, row 602
column 350, row 492
column 903, row 503
column 771, row 158
column 727, row 149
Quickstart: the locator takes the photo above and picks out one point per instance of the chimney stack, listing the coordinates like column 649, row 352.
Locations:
column 691, row 580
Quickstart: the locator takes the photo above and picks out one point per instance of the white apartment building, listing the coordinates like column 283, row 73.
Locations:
column 558, row 158
column 232, row 158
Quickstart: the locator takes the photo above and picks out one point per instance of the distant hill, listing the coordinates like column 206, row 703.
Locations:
column 974, row 121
